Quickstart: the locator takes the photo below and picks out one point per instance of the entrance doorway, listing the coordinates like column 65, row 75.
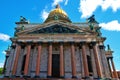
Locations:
column 55, row 65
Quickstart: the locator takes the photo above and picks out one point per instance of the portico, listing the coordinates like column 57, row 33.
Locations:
column 58, row 48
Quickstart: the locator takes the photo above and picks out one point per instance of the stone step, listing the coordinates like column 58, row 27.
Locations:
column 37, row 79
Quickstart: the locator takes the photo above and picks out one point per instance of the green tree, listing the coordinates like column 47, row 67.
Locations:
column 1, row 70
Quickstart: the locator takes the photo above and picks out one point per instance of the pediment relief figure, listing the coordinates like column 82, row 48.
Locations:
column 55, row 29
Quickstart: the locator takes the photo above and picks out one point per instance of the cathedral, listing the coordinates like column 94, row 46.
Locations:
column 59, row 48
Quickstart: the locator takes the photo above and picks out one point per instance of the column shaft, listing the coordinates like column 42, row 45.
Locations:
column 97, row 61
column 27, row 60
column 4, row 68
column 49, row 74
column 93, row 62
column 73, row 61
column 114, row 70
column 86, row 72
column 38, row 60
column 18, row 48
column 61, row 61
column 110, row 68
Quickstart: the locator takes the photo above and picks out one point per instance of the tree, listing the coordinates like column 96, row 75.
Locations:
column 1, row 70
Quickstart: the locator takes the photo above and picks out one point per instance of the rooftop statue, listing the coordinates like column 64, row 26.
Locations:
column 108, row 46
column 22, row 19
column 91, row 19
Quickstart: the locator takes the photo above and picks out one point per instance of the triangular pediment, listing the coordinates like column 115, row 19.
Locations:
column 57, row 27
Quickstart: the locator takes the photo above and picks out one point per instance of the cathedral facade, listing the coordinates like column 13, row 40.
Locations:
column 59, row 48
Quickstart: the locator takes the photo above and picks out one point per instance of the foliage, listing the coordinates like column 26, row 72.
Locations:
column 1, row 70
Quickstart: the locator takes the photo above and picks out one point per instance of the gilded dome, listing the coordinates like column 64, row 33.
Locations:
column 57, row 14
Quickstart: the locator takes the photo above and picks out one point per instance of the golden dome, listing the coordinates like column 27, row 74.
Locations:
column 57, row 14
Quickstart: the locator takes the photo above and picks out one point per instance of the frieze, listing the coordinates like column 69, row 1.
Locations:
column 56, row 39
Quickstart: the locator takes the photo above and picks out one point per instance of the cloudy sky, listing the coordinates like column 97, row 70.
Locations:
column 107, row 13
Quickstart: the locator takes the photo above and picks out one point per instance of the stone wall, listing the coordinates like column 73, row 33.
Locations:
column 44, row 61
column 67, row 59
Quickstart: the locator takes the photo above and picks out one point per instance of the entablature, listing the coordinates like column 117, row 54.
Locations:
column 56, row 38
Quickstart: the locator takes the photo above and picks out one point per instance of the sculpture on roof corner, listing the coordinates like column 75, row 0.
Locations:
column 91, row 19
column 23, row 19
column 98, row 31
column 108, row 46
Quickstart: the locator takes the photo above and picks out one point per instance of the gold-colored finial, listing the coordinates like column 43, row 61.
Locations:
column 57, row 6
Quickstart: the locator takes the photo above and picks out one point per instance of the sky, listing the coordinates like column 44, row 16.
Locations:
column 107, row 13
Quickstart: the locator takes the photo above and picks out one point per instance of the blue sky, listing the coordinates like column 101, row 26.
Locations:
column 107, row 13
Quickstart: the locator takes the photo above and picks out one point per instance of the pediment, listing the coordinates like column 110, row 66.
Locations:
column 56, row 28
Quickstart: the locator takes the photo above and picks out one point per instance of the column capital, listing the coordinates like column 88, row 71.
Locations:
column 13, row 46
column 107, row 58
column 90, row 45
column 101, row 46
column 93, row 43
column 110, row 58
column 39, row 43
column 50, row 43
column 18, row 43
column 6, row 56
column 61, row 43
column 29, row 43
column 72, row 43
column 82, row 43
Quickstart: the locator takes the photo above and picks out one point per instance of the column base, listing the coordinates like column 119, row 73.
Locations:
column 86, row 77
column 37, row 76
column 49, row 76
column 97, row 78
column 6, row 76
column 107, row 78
column 13, row 76
column 26, row 76
column 17, row 76
column 62, row 76
column 74, row 76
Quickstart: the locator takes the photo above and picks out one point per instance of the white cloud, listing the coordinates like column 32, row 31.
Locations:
column 44, row 14
column 56, row 2
column 3, row 52
column 4, row 37
column 87, row 7
column 59, row 1
column 66, row 2
column 114, row 4
column 1, row 65
column 113, row 25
